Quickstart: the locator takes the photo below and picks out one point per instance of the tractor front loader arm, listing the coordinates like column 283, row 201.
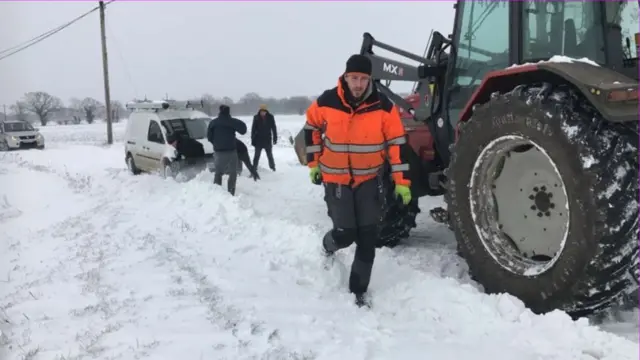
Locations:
column 430, row 76
column 385, row 69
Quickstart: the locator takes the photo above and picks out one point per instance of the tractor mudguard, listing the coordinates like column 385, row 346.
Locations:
column 613, row 94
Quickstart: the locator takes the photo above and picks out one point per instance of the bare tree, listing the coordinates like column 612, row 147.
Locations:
column 42, row 104
column 210, row 104
column 76, row 105
column 90, row 106
column 117, row 111
column 19, row 109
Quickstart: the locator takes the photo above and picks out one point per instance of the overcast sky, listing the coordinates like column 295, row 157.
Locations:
column 187, row 49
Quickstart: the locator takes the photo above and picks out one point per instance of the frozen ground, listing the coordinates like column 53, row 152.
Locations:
column 96, row 263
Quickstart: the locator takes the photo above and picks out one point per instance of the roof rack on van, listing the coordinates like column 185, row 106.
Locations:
column 151, row 105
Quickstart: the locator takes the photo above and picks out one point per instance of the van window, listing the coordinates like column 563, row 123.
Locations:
column 155, row 133
column 195, row 128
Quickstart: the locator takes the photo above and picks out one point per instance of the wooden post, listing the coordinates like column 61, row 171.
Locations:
column 105, row 73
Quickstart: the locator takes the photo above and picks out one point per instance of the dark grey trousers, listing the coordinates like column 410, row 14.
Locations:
column 256, row 157
column 226, row 163
column 356, row 214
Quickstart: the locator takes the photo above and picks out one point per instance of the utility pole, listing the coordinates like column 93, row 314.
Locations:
column 105, row 73
column 4, row 111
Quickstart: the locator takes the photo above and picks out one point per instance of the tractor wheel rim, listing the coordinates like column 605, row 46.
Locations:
column 519, row 205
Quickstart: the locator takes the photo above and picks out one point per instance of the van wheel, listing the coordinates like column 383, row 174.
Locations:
column 168, row 171
column 131, row 165
column 4, row 146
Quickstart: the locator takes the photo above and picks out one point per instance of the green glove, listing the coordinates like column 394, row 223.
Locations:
column 315, row 175
column 404, row 193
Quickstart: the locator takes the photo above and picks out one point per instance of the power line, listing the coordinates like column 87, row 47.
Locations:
column 50, row 32
column 27, row 44
column 124, row 63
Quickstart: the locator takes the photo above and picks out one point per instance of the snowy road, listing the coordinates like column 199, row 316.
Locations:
column 97, row 263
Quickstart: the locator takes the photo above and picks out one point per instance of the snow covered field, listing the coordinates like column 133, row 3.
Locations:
column 97, row 263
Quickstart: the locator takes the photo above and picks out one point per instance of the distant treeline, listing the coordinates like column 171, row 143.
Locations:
column 43, row 107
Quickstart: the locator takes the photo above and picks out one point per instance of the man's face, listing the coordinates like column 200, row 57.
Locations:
column 263, row 112
column 357, row 83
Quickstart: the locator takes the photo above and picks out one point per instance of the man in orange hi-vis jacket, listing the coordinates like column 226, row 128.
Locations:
column 362, row 130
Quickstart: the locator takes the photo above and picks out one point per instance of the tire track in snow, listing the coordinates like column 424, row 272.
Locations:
column 394, row 302
column 94, row 249
column 250, row 338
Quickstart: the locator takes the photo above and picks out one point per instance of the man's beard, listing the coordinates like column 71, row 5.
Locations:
column 364, row 94
column 361, row 92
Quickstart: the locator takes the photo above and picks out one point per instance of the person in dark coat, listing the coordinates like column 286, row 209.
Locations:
column 222, row 135
column 188, row 147
column 243, row 155
column 264, row 134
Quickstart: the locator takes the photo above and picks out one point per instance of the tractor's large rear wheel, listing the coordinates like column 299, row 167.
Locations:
column 543, row 200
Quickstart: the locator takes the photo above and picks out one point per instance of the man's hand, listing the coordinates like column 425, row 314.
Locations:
column 315, row 176
column 404, row 193
column 275, row 140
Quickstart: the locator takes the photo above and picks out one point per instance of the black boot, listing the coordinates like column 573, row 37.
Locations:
column 360, row 276
column 362, row 301
column 337, row 239
column 328, row 244
column 359, row 282
column 363, row 263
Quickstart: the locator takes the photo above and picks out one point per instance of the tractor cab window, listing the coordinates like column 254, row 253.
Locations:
column 483, row 46
column 484, row 40
column 625, row 15
column 572, row 28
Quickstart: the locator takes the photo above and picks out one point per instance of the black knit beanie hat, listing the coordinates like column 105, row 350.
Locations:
column 360, row 64
column 225, row 110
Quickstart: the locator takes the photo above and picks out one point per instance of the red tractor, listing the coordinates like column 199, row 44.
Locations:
column 537, row 162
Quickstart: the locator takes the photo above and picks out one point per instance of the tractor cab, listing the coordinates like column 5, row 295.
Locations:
column 491, row 36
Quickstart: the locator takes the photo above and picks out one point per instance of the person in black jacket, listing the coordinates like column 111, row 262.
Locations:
column 222, row 134
column 243, row 155
column 264, row 134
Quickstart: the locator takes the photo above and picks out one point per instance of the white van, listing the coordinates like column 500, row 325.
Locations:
column 151, row 127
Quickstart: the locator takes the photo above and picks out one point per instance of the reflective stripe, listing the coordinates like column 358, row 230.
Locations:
column 313, row 149
column 362, row 149
column 328, row 170
column 400, row 140
column 370, row 171
column 352, row 148
column 309, row 127
column 399, row 167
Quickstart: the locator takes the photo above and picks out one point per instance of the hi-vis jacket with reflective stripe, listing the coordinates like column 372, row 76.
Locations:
column 356, row 142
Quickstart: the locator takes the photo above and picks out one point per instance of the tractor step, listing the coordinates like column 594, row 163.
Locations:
column 440, row 215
